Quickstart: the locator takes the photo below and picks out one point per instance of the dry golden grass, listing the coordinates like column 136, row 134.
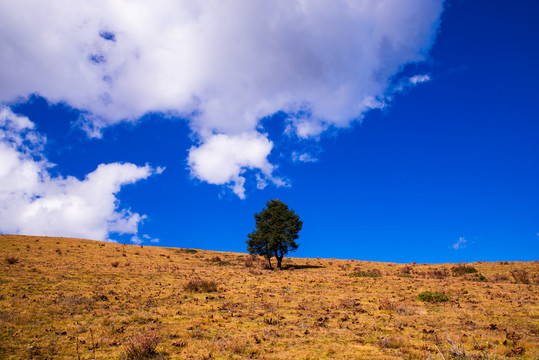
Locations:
column 69, row 298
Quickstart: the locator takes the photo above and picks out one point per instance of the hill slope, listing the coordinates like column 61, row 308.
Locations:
column 63, row 298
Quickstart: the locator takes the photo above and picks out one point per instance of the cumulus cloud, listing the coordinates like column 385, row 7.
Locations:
column 222, row 159
column 223, row 65
column 33, row 202
column 461, row 243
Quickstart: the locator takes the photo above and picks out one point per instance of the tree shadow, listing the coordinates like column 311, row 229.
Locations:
column 299, row 267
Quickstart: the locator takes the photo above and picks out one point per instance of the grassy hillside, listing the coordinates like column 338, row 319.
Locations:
column 63, row 298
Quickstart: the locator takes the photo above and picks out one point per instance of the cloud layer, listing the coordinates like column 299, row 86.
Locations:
column 223, row 65
column 33, row 202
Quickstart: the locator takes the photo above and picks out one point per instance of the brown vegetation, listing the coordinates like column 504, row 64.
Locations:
column 177, row 304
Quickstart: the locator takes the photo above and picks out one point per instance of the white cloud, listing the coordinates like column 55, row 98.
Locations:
column 304, row 157
column 460, row 244
column 418, row 79
column 148, row 237
column 136, row 240
column 409, row 82
column 222, row 159
column 223, row 64
column 33, row 202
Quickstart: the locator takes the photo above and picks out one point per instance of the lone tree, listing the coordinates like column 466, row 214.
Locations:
column 277, row 228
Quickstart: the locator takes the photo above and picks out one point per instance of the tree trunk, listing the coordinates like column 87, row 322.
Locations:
column 279, row 261
column 269, row 262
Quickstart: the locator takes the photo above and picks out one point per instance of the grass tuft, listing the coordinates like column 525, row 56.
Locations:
column 142, row 346
column 433, row 297
column 366, row 273
column 201, row 286
column 12, row 260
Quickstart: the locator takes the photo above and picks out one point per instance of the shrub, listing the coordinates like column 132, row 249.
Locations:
column 407, row 269
column 254, row 261
column 500, row 277
column 437, row 274
column 187, row 251
column 404, row 275
column 12, row 260
column 217, row 260
column 223, row 263
column 366, row 273
column 389, row 342
column 480, row 277
column 520, row 276
column 115, row 263
column 432, row 297
column 142, row 346
column 249, row 261
column 463, row 269
column 199, row 285
column 386, row 305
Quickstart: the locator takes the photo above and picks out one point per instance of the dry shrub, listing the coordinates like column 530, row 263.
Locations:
column 389, row 342
column 249, row 261
column 215, row 259
column 115, row 263
column 367, row 273
column 500, row 277
column 235, row 345
column 437, row 274
column 386, row 305
column 405, row 311
column 252, row 261
column 407, row 269
column 74, row 300
column 142, row 346
column 199, row 285
column 37, row 351
column 255, row 271
column 520, row 276
column 12, row 260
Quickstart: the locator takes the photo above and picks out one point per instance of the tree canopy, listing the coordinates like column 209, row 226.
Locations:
column 276, row 232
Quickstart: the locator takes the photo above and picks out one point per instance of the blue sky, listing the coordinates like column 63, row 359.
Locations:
column 404, row 131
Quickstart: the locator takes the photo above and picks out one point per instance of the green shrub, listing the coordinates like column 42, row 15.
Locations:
column 223, row 263
column 187, row 251
column 366, row 273
column 217, row 261
column 480, row 277
column 463, row 269
column 404, row 275
column 432, row 297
